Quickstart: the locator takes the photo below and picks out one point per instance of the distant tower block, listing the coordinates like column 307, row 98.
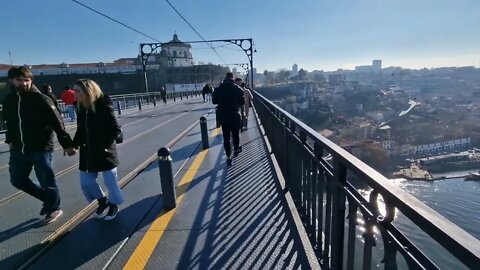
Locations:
column 294, row 70
column 377, row 65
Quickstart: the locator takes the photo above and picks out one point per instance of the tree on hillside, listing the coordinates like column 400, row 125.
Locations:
column 282, row 76
column 319, row 78
column 375, row 156
column 302, row 74
column 268, row 77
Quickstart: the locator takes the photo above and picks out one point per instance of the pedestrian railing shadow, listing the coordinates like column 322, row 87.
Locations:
column 19, row 229
column 242, row 205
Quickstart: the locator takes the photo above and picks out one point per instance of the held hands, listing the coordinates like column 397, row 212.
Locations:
column 70, row 151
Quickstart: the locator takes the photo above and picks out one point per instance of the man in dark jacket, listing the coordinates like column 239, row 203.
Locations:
column 163, row 93
column 31, row 118
column 229, row 97
column 47, row 91
column 204, row 92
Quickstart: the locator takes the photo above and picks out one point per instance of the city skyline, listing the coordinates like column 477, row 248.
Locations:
column 317, row 35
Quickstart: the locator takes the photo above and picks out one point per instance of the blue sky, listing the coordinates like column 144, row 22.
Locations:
column 316, row 34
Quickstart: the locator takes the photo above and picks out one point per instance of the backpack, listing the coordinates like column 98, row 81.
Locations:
column 215, row 94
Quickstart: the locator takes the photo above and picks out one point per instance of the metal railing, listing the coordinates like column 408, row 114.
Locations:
column 315, row 172
column 125, row 101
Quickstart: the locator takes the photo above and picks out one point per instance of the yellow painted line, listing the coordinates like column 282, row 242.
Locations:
column 147, row 245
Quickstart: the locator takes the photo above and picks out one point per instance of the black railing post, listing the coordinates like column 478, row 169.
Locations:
column 119, row 109
column 319, row 190
column 154, row 101
column 338, row 214
column 204, row 131
column 166, row 178
column 140, row 104
column 352, row 223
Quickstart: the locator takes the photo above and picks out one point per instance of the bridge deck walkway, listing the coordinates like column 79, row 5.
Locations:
column 226, row 217
column 21, row 237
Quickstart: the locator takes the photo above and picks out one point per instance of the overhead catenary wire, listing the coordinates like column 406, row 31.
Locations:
column 116, row 21
column 151, row 37
column 194, row 30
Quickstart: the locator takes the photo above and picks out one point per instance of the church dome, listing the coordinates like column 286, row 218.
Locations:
column 177, row 42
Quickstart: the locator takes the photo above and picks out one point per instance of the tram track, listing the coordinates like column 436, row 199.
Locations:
column 123, row 125
column 123, row 116
column 63, row 172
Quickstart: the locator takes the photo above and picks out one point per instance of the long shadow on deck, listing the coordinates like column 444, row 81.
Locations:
column 82, row 247
column 243, row 220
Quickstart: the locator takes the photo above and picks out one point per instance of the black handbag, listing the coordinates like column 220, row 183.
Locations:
column 119, row 138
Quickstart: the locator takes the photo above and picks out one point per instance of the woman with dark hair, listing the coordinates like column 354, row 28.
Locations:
column 47, row 91
column 98, row 133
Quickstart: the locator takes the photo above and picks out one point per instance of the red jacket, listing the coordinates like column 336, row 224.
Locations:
column 68, row 97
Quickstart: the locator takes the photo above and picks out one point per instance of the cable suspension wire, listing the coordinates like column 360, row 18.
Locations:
column 194, row 30
column 116, row 21
column 224, row 46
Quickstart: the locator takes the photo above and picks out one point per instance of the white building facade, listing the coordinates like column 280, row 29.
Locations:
column 423, row 149
column 179, row 53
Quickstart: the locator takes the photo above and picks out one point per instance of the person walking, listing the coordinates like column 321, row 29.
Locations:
column 47, row 91
column 31, row 119
column 229, row 98
column 97, row 135
column 68, row 97
column 163, row 93
column 239, row 82
column 204, row 92
column 247, row 105
column 209, row 93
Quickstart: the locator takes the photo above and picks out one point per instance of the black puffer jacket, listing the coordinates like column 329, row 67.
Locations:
column 96, row 135
column 229, row 97
column 31, row 119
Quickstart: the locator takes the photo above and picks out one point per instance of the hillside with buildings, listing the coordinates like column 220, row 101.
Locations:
column 173, row 63
column 387, row 115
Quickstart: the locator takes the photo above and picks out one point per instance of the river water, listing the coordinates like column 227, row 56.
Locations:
column 455, row 199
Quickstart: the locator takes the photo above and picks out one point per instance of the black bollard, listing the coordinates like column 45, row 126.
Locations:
column 166, row 178
column 216, row 117
column 181, row 96
column 139, row 104
column 174, row 97
column 154, row 101
column 119, row 110
column 204, row 131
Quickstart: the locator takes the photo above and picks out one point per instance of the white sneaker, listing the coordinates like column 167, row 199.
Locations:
column 51, row 217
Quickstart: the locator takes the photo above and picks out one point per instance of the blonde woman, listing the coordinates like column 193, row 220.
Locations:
column 97, row 134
